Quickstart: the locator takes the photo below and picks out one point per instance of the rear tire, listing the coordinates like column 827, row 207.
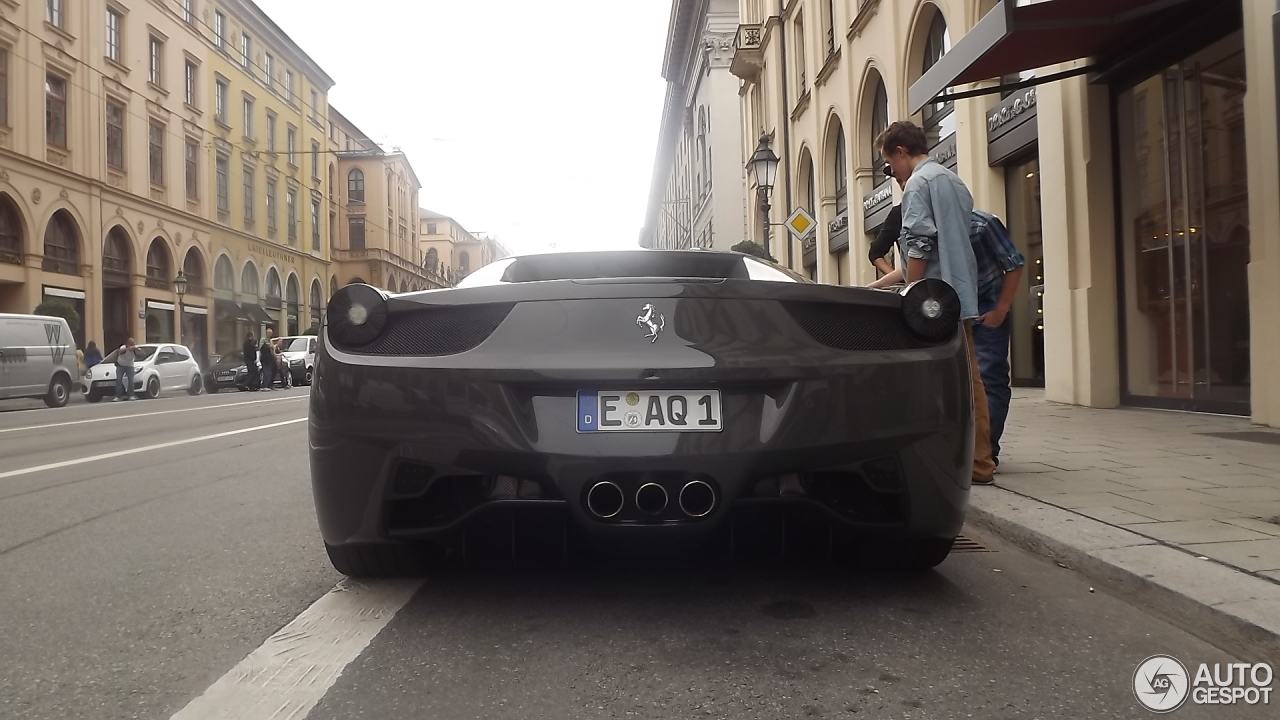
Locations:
column 197, row 385
column 385, row 561
column 901, row 555
column 93, row 397
column 153, row 388
column 59, row 392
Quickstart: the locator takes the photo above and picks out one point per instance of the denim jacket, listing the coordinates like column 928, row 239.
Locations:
column 937, row 211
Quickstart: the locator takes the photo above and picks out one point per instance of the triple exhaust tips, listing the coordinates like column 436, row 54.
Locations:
column 606, row 500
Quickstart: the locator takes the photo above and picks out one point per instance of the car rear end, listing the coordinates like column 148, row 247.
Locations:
column 654, row 410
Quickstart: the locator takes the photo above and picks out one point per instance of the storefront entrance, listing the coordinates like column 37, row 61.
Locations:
column 1185, row 234
column 1026, row 342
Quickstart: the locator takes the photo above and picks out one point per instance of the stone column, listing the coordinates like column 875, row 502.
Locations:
column 1082, row 361
column 1264, row 213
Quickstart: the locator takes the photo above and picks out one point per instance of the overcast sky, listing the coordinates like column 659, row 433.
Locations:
column 536, row 122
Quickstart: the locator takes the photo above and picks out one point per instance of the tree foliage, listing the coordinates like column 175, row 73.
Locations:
column 61, row 309
column 750, row 247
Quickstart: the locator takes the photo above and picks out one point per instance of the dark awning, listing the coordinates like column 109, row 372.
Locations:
column 228, row 310
column 1013, row 38
column 257, row 314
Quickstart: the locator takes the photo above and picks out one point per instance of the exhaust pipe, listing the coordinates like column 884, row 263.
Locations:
column 605, row 500
column 697, row 499
column 651, row 498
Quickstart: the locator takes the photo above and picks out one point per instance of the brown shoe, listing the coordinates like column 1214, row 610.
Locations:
column 986, row 481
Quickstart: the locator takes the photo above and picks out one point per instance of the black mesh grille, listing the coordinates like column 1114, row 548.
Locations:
column 437, row 331
column 855, row 327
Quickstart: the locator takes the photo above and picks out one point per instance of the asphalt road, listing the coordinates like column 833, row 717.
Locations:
column 149, row 548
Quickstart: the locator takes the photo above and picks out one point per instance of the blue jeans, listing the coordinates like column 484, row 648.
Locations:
column 992, row 345
column 124, row 381
column 268, row 375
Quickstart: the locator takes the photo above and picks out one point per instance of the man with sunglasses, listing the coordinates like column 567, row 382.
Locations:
column 999, row 270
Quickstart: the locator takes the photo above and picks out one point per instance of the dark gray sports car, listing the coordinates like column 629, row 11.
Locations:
column 651, row 399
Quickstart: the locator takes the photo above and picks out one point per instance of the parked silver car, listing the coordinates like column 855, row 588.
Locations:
column 37, row 358
column 299, row 353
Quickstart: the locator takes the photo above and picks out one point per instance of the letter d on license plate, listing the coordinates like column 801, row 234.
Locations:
column 649, row 411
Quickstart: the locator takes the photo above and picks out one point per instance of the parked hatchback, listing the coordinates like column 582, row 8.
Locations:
column 160, row 367
column 37, row 358
column 300, row 354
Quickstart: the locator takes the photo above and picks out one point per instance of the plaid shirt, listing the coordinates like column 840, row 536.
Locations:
column 996, row 256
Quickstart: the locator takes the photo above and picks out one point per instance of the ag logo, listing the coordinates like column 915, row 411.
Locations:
column 1161, row 683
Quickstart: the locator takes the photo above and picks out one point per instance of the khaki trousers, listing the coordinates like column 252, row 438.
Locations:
column 984, row 467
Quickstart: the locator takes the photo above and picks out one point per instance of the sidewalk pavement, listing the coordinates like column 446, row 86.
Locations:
column 1179, row 508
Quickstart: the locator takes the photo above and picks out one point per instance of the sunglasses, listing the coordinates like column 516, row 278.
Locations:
column 887, row 170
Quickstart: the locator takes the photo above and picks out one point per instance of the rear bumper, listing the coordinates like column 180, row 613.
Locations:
column 883, row 445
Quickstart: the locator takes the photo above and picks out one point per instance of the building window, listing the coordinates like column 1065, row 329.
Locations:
column 271, row 205
column 431, row 228
column 61, row 245
column 939, row 120
column 271, row 132
column 4, row 86
column 249, row 193
column 248, row 117
column 315, row 105
column 355, row 233
column 115, row 135
column 291, row 145
column 192, row 163
column 224, row 183
column 315, row 225
column 355, row 186
column 291, row 210
column 113, row 34
column 800, row 57
column 288, row 85
column 830, row 18
column 154, row 68
column 190, row 83
column 155, row 143
column 220, row 102
column 189, row 11
column 53, row 12
column 55, row 109
column 246, row 50
column 220, row 30
column 268, row 65
column 315, row 160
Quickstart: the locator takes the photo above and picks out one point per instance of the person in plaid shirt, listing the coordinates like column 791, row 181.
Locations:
column 1000, row 267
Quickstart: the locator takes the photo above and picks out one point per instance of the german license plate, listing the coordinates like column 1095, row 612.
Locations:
column 227, row 376
column 649, row 411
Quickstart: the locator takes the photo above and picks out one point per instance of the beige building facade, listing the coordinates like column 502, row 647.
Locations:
column 696, row 197
column 376, row 225
column 143, row 139
column 452, row 251
column 1132, row 156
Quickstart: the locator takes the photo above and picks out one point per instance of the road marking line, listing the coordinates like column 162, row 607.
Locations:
column 147, row 414
column 148, row 448
column 290, row 672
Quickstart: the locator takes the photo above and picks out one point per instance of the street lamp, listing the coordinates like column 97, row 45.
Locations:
column 764, row 169
column 180, row 285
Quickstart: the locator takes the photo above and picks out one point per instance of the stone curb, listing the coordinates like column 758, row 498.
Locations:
column 1232, row 609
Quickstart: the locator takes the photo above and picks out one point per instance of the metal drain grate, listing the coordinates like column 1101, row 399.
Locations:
column 965, row 544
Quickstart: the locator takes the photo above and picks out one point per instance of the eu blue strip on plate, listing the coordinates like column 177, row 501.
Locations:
column 588, row 407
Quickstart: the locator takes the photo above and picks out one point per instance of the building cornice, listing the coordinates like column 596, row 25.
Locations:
column 248, row 12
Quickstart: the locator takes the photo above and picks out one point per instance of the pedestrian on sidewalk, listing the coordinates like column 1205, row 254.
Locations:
column 937, row 211
column 92, row 355
column 267, row 357
column 126, row 359
column 250, row 350
column 1000, row 267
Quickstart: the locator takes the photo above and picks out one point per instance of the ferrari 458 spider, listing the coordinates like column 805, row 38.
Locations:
column 639, row 399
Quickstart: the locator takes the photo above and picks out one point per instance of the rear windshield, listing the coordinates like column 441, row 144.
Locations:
column 628, row 264
column 295, row 344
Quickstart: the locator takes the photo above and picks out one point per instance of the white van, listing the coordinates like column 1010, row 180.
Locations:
column 37, row 358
